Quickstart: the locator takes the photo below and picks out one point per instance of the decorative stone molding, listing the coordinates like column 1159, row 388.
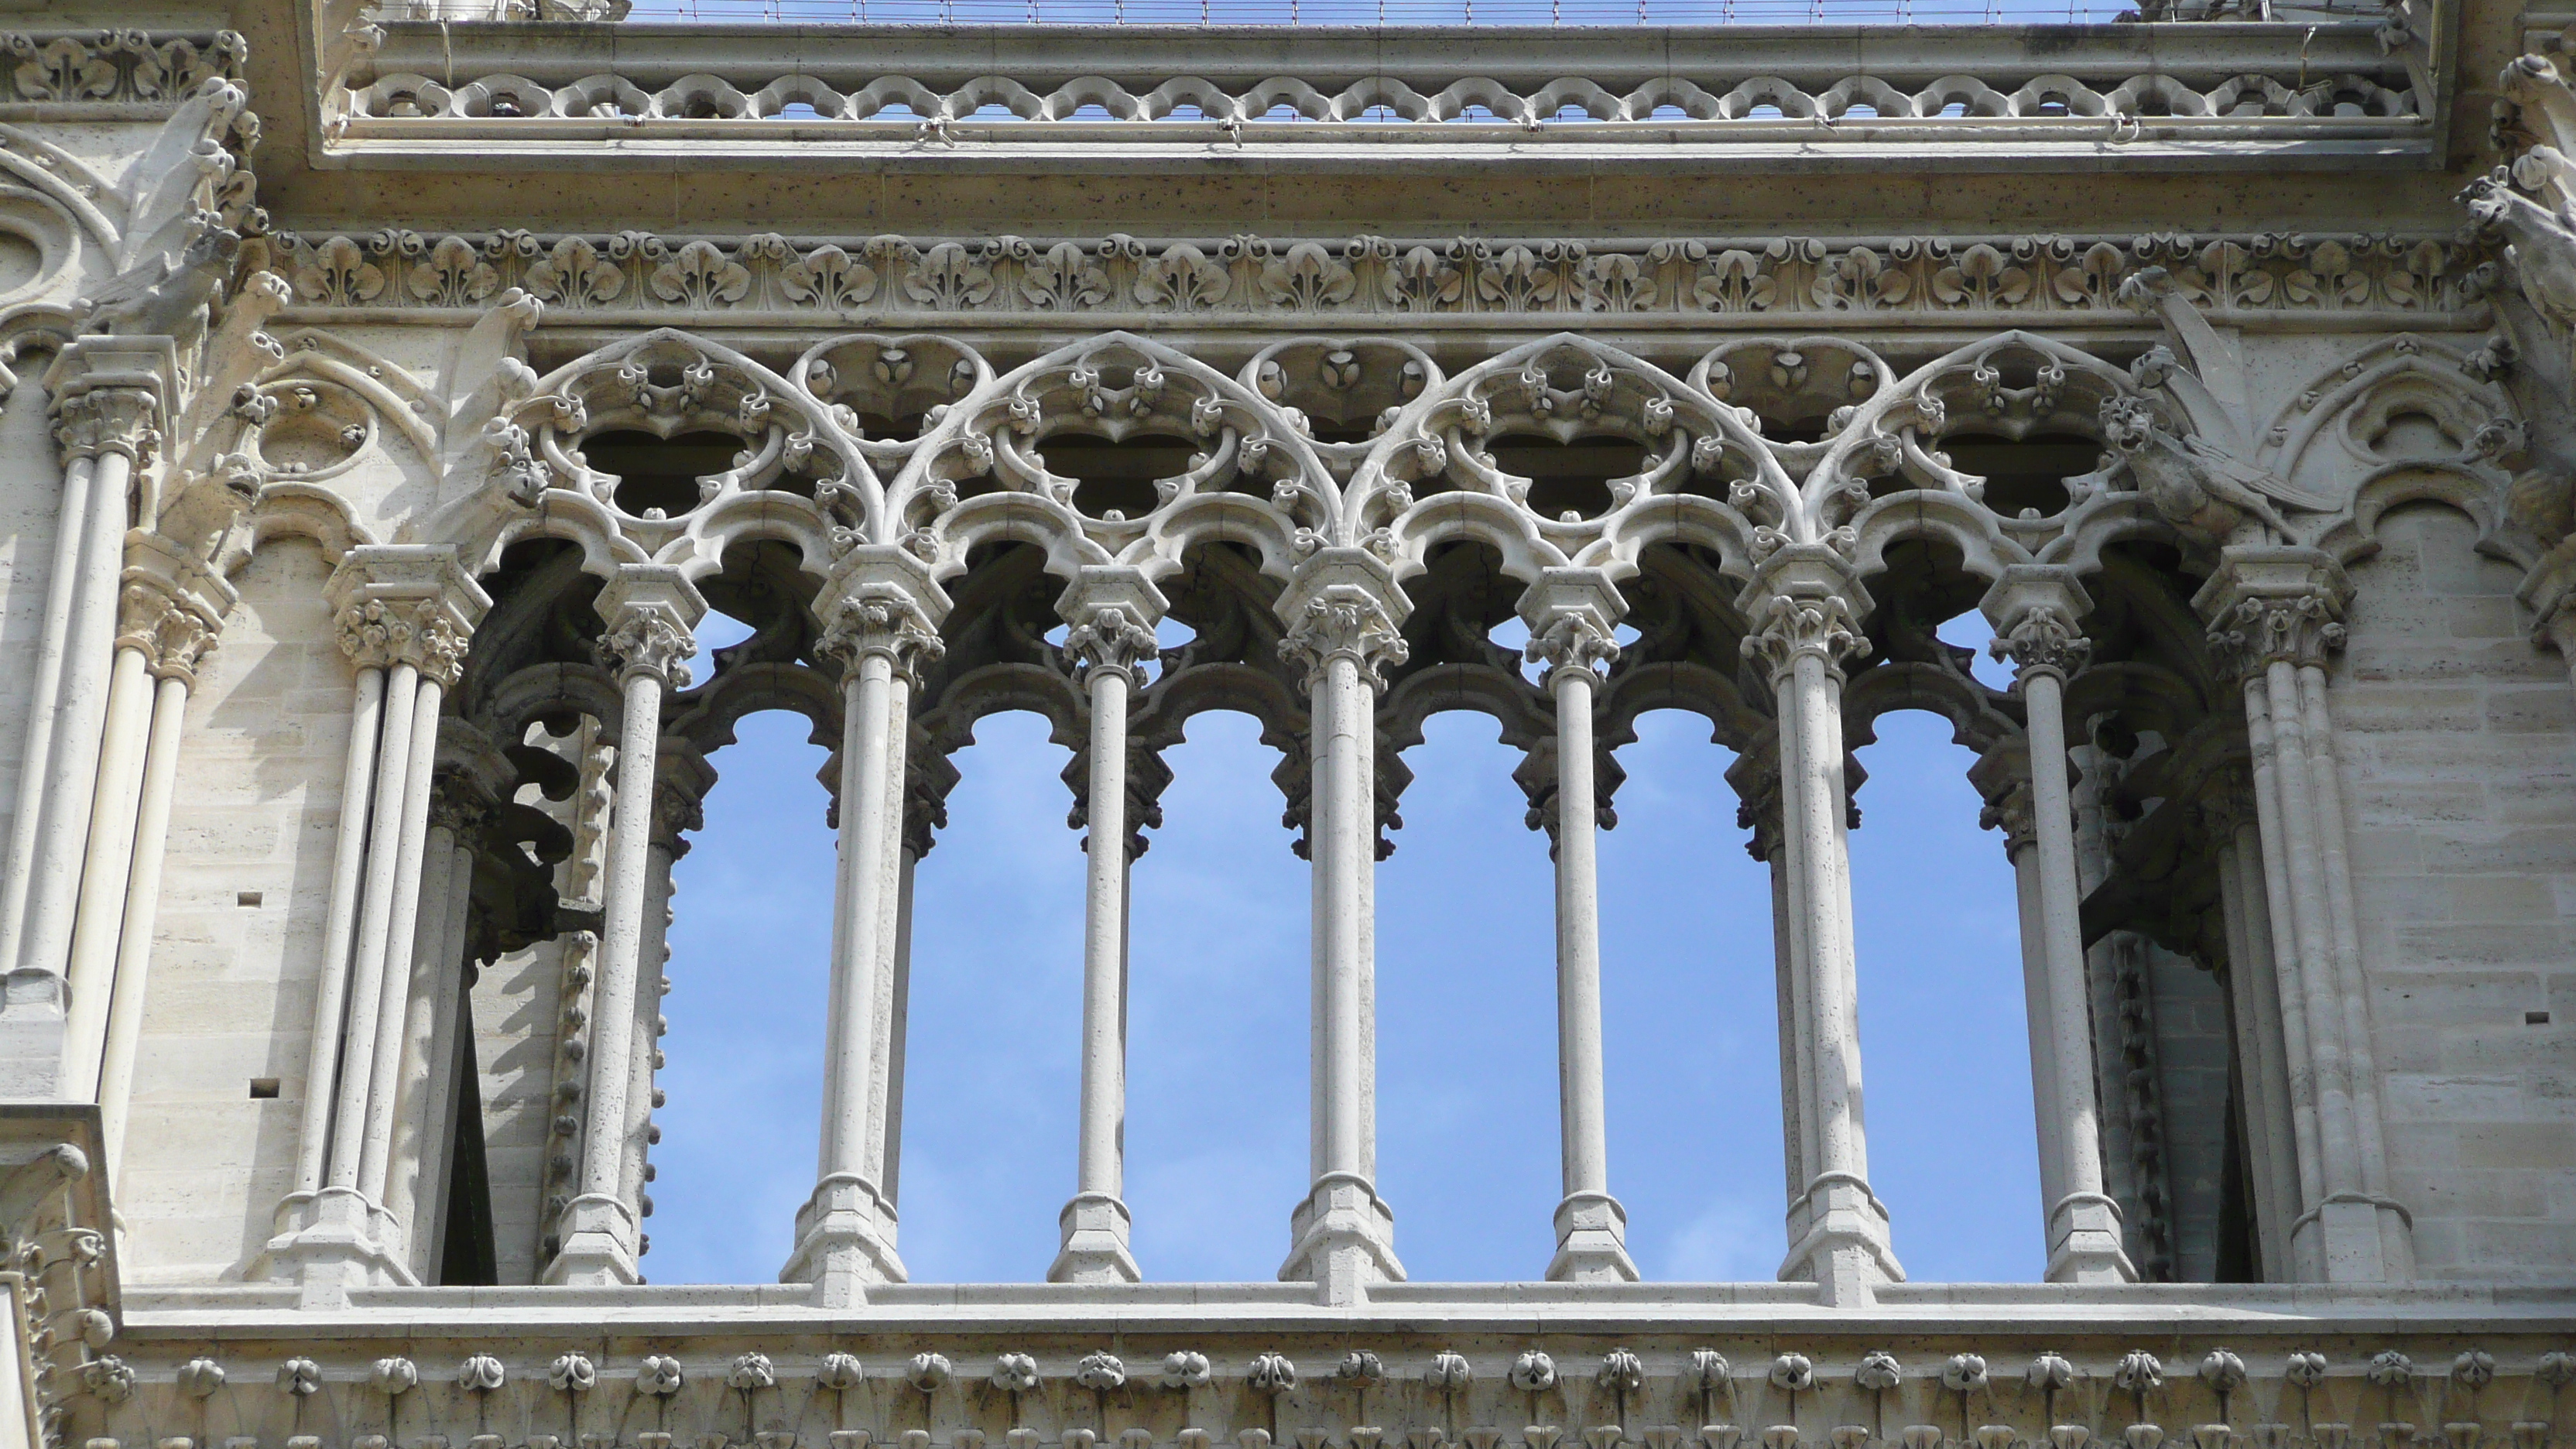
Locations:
column 1572, row 616
column 1042, row 281
column 1796, row 625
column 93, row 69
column 926, row 94
column 173, row 636
column 2035, row 611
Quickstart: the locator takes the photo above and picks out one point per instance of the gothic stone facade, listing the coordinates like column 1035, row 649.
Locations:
column 388, row 396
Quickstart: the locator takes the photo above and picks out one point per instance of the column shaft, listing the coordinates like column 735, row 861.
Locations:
column 403, row 984
column 1591, row 1226
column 71, row 775
column 2289, row 972
column 98, row 920
column 142, row 903
column 1094, row 1225
column 375, row 928
column 44, row 694
column 331, row 988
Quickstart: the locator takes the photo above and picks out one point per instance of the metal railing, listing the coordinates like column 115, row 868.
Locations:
column 1465, row 12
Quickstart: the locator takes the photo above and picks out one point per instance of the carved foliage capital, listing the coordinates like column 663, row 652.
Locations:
column 1796, row 626
column 381, row 633
column 1572, row 639
column 2044, row 640
column 2010, row 812
column 1112, row 637
column 1344, row 621
column 2256, row 633
column 882, row 619
column 106, row 420
column 173, row 637
column 650, row 641
column 458, row 804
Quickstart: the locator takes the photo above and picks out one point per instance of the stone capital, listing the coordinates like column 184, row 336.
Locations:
column 406, row 604
column 1804, row 601
column 170, row 606
column 1573, row 615
column 2037, row 612
column 882, row 601
column 113, row 395
column 2273, row 605
column 651, row 612
column 1343, row 603
column 1112, row 611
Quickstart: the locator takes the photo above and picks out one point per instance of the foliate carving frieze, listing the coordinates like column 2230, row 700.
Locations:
column 1344, row 621
column 638, row 274
column 883, row 620
column 113, row 67
column 1796, row 626
column 1110, row 636
column 104, row 420
column 381, row 633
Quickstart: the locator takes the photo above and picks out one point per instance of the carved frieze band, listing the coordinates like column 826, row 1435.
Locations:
column 2243, row 100
column 114, row 67
column 642, row 275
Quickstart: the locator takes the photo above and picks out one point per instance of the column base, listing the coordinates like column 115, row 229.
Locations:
column 1844, row 1250
column 601, row 1244
column 844, row 1242
column 1591, row 1241
column 1095, row 1227
column 1344, row 1240
column 331, row 1242
column 2084, row 1241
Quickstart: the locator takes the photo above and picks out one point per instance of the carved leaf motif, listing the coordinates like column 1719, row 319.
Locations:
column 1862, row 280
column 1735, row 281
column 949, row 277
column 1615, row 283
column 828, row 277
column 339, row 275
column 701, row 276
column 575, row 274
column 2094, row 280
column 1307, row 278
column 1981, row 277
column 1520, row 280
column 1064, row 279
column 62, row 70
column 452, row 275
column 1420, row 280
column 1182, row 278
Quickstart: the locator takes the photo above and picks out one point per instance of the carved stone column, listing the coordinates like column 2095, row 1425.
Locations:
column 1112, row 612
column 2254, row 1007
column 650, row 611
column 881, row 614
column 1756, row 778
column 176, row 640
column 111, row 399
column 2275, row 617
column 170, row 602
column 2035, row 611
column 404, row 614
column 472, row 777
column 1571, row 614
column 1805, row 606
column 1342, row 611
column 2002, row 778
column 679, row 808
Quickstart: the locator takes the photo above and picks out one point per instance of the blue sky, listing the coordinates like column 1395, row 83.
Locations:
column 1216, row 1133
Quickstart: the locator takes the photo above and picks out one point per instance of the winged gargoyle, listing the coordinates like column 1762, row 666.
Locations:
column 2202, row 479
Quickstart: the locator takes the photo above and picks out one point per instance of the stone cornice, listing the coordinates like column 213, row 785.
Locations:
column 888, row 280
column 1363, row 99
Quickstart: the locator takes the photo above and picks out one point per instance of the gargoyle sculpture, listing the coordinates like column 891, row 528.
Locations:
column 2205, row 492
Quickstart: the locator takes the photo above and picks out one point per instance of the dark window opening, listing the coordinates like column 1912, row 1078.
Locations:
column 656, row 472
column 2025, row 476
column 1116, row 477
column 263, row 1089
column 465, row 1254
column 1568, row 477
